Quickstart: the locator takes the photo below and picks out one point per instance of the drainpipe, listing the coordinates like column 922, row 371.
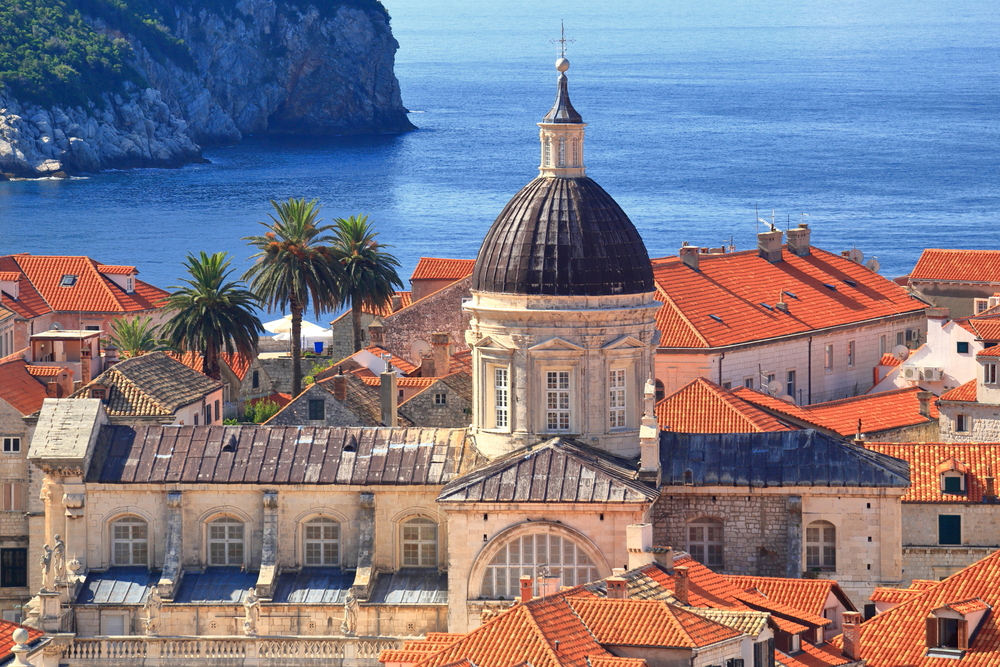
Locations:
column 721, row 357
column 809, row 355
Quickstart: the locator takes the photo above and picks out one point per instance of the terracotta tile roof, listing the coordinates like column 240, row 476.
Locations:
column 823, row 655
column 373, row 380
column 116, row 270
column 732, row 286
column 404, row 655
column 806, row 594
column 238, row 364
column 647, row 623
column 987, row 328
column 924, row 459
column 966, row 392
column 889, row 359
column 990, row 352
column 615, row 661
column 10, row 276
column 402, row 364
column 405, row 299
column 7, row 629
column 44, row 371
column 150, row 385
column 361, row 399
column 701, row 406
column 436, row 268
column 897, row 636
column 747, row 622
column 878, row 412
column 923, row 584
column 443, row 637
column 958, row 265
column 969, row 606
column 17, row 386
column 894, row 595
column 780, row 610
column 277, row 397
column 461, row 361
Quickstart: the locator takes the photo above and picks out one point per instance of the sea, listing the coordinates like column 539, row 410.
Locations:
column 875, row 121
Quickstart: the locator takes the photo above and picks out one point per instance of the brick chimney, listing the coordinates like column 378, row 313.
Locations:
column 991, row 493
column 110, row 356
column 638, row 541
column 397, row 302
column 798, row 240
column 682, row 584
column 376, row 332
column 663, row 556
column 769, row 245
column 441, row 351
column 689, row 255
column 925, row 403
column 387, row 393
column 339, row 387
column 617, row 588
column 852, row 634
column 527, row 588
column 427, row 369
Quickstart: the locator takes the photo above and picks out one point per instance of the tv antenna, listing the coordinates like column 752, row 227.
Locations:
column 562, row 41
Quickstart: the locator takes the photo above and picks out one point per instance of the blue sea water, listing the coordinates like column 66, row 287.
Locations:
column 878, row 118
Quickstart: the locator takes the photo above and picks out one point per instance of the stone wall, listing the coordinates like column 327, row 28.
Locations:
column 985, row 425
column 425, row 410
column 936, row 563
column 335, row 413
column 343, row 335
column 14, row 470
column 439, row 312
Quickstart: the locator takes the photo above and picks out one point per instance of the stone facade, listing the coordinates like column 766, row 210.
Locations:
column 924, row 557
column 408, row 330
column 16, row 489
column 439, row 405
column 342, row 331
column 335, row 413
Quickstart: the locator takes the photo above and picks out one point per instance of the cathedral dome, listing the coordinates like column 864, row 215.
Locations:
column 566, row 237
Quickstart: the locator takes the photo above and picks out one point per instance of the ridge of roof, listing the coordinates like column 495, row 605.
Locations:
column 924, row 459
column 806, row 594
column 442, row 268
column 966, row 393
column 701, row 406
column 953, row 264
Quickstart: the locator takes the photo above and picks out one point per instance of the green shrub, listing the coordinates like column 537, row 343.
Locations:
column 261, row 411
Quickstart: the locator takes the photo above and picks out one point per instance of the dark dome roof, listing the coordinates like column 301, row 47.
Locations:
column 563, row 236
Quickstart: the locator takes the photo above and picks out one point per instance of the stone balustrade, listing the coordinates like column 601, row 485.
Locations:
column 236, row 651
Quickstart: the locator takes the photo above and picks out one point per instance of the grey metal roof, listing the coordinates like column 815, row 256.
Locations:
column 279, row 455
column 226, row 585
column 411, row 586
column 313, row 585
column 785, row 458
column 563, row 236
column 562, row 110
column 557, row 470
column 118, row 586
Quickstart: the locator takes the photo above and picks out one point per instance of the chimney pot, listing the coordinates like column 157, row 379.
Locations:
column 617, row 588
column 340, row 387
column 852, row 634
column 991, row 493
column 689, row 255
column 397, row 302
column 441, row 349
column 389, row 399
column 527, row 588
column 682, row 584
column 798, row 240
column 769, row 245
column 925, row 402
column 376, row 332
column 638, row 541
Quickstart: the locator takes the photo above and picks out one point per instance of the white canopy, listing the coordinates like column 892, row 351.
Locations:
column 284, row 326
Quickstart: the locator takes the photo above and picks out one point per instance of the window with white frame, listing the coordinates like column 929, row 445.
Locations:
column 130, row 541
column 981, row 305
column 790, row 384
column 557, row 400
column 850, row 354
column 706, row 541
column 963, row 424
column 821, row 546
column 990, row 373
column 526, row 555
column 420, row 542
column 321, row 537
column 11, row 445
column 225, row 541
column 616, row 398
column 501, row 397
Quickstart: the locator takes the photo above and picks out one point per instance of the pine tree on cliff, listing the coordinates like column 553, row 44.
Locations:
column 212, row 314
column 295, row 268
column 370, row 276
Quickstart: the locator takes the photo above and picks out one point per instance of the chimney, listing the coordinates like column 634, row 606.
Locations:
column 781, row 304
column 769, row 245
column 639, row 541
column 110, row 356
column 925, row 402
column 991, row 493
column 397, row 302
column 53, row 389
column 852, row 634
column 689, row 255
column 663, row 556
column 937, row 313
column 798, row 240
column 617, row 588
column 527, row 589
column 86, row 363
column 681, row 584
column 441, row 349
column 427, row 367
column 340, row 387
column 548, row 585
column 387, row 393
column 376, row 332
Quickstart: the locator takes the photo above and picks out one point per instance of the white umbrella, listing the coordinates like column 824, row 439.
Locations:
column 283, row 325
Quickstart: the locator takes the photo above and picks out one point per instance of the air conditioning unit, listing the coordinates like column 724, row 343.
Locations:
column 911, row 373
column 932, row 374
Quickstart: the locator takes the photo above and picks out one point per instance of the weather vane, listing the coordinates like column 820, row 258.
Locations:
column 562, row 41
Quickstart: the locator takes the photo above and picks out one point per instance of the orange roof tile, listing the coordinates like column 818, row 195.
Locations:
column 373, row 380
column 969, row 606
column 116, row 270
column 894, row 595
column 889, row 359
column 436, row 268
column 720, row 304
column 782, row 610
column 405, row 299
column 806, row 594
column 966, row 392
column 923, row 584
column 238, row 364
column 897, row 636
column 277, row 397
column 44, row 371
column 10, row 276
column 402, row 364
column 924, row 459
column 647, row 623
column 811, row 655
column 701, row 406
column 616, row 661
column 17, row 386
column 989, row 352
column 404, row 655
column 958, row 265
column 7, row 629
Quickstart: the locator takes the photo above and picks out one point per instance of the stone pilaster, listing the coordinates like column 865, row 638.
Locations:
column 269, row 566
column 366, row 546
column 172, row 572
column 793, row 566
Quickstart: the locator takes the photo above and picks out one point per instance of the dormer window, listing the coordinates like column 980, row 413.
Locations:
column 68, row 280
column 952, row 474
column 950, row 627
column 989, row 373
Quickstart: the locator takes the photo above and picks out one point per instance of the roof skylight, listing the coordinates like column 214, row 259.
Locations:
column 68, row 280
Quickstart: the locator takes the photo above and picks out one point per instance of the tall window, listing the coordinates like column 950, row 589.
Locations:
column 322, row 542
column 748, row 383
column 547, row 152
column 13, row 568
column 130, row 541
column 962, row 423
column 225, row 542
column 12, row 497
column 557, row 400
column 828, row 361
column 317, row 411
column 850, row 354
column 990, row 373
column 526, row 555
column 949, row 529
column 576, row 152
column 705, row 542
column 501, row 404
column 562, row 152
column 616, row 398
column 420, row 541
column 882, row 346
column 790, row 384
column 821, row 546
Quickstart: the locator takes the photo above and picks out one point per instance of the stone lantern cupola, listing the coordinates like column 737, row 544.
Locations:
column 562, row 322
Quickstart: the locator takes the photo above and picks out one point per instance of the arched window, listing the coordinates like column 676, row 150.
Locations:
column 821, row 546
column 225, row 542
column 562, row 151
column 705, row 542
column 129, row 541
column 420, row 542
column 321, row 537
column 661, row 392
column 547, row 152
column 526, row 555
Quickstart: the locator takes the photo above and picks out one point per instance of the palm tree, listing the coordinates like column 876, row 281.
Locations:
column 212, row 314
column 295, row 268
column 370, row 273
column 135, row 336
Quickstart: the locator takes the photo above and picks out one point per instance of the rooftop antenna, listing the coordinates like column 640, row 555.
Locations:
column 562, row 41
column 788, row 223
column 802, row 217
column 732, row 243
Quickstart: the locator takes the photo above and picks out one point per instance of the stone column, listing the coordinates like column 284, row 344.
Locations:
column 366, row 546
column 74, row 501
column 171, row 575
column 521, row 395
column 793, row 564
column 269, row 548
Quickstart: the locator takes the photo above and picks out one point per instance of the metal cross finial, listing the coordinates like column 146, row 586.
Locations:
column 562, row 41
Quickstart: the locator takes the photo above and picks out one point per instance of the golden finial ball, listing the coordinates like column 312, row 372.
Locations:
column 562, row 64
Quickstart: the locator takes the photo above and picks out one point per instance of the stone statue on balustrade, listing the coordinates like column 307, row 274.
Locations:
column 58, row 559
column 46, row 564
column 251, row 612
column 350, row 623
column 152, row 607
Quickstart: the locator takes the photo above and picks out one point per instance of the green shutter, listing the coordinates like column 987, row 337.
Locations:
column 949, row 529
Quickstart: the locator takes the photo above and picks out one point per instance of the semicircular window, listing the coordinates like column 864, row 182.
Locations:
column 528, row 555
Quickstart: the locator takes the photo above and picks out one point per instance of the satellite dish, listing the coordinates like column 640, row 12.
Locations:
column 873, row 264
column 55, row 327
column 901, row 352
column 773, row 387
column 855, row 255
column 787, row 398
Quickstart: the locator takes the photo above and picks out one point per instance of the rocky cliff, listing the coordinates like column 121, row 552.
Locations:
column 255, row 66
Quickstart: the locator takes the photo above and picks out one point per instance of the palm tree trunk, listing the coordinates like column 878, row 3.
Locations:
column 356, row 322
column 210, row 364
column 296, row 347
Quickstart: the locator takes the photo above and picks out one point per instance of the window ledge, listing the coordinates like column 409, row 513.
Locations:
column 952, row 653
